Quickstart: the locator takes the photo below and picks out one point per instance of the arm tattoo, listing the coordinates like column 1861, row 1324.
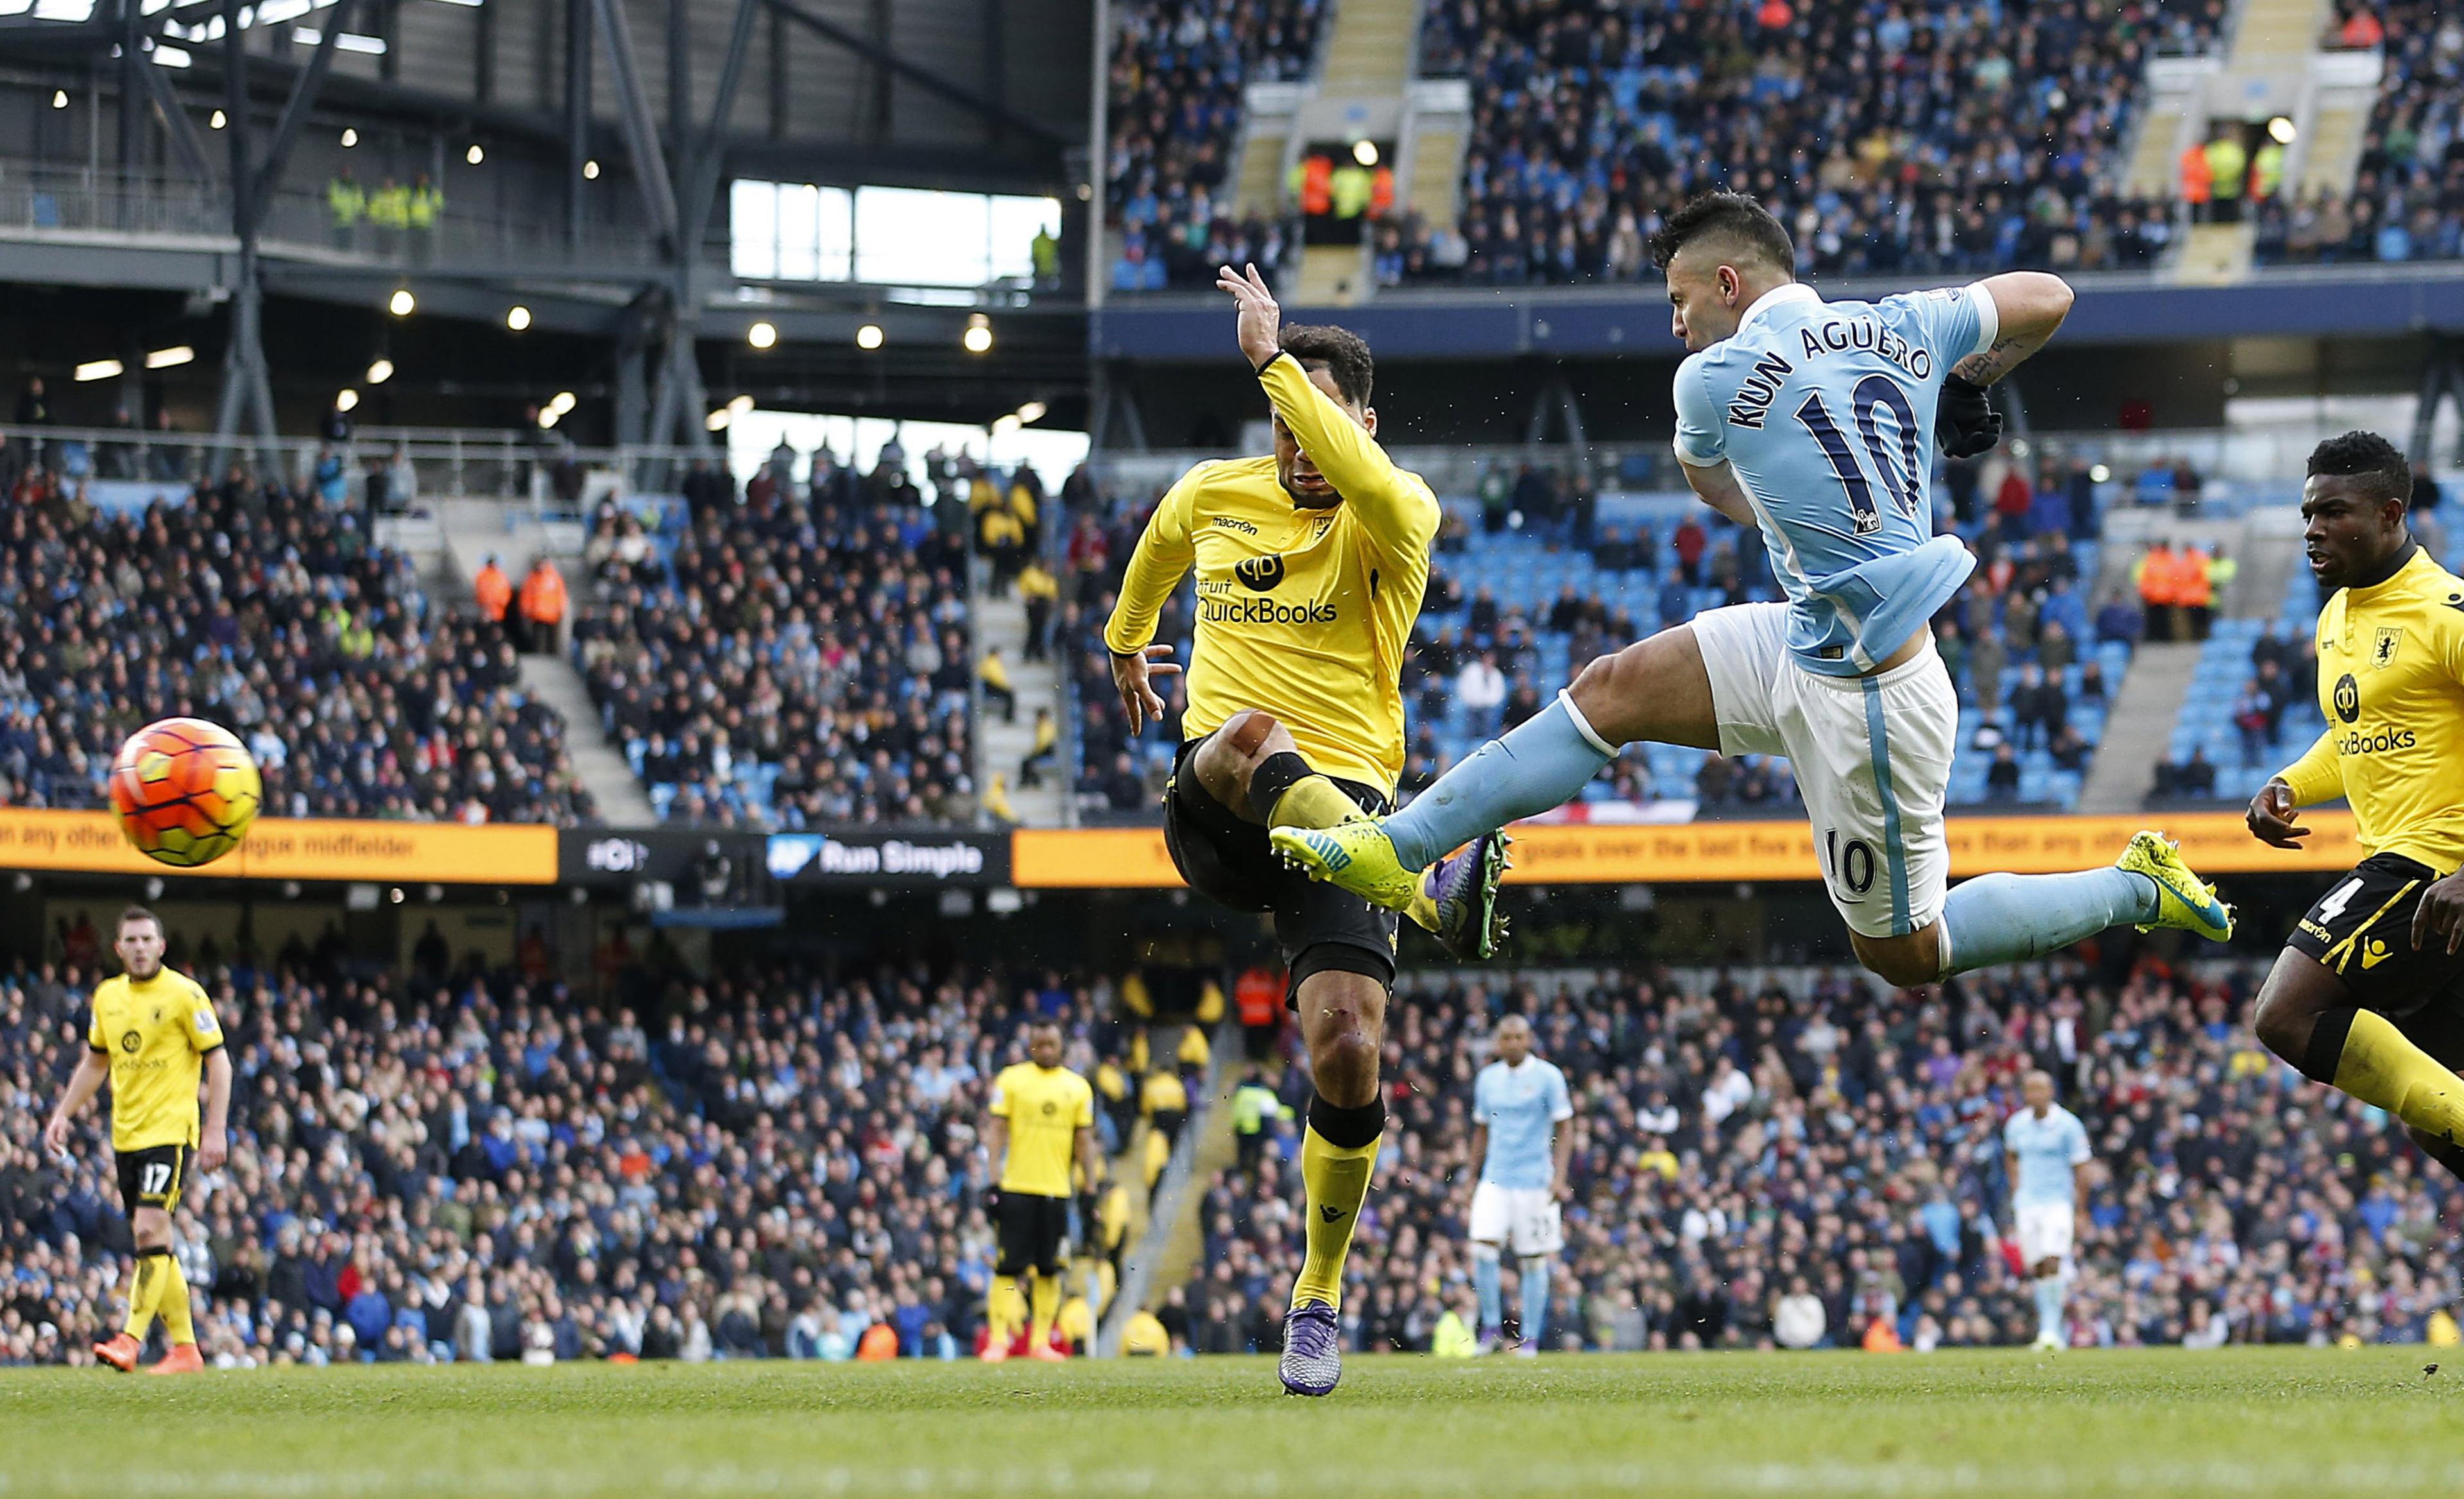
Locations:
column 1992, row 364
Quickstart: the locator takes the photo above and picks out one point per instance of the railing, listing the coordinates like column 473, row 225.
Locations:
column 483, row 463
column 38, row 198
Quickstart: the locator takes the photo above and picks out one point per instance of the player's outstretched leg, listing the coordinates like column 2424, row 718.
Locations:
column 1343, row 1017
column 1655, row 688
column 2006, row 919
column 1253, row 767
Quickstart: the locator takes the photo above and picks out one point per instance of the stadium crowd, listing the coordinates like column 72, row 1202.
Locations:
column 800, row 655
column 265, row 610
column 1177, row 71
column 474, row 1166
column 1753, row 1168
column 2408, row 197
column 1916, row 139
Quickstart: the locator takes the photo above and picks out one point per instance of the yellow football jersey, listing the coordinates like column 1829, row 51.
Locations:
column 156, row 1034
column 1302, row 613
column 2392, row 684
column 1045, row 1108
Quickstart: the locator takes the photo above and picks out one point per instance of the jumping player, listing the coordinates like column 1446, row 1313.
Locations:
column 1812, row 419
column 1310, row 565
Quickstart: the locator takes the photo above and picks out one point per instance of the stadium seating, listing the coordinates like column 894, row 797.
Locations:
column 266, row 612
column 1734, row 1147
column 2408, row 198
column 497, row 1172
column 783, row 664
column 1177, row 71
column 1907, row 142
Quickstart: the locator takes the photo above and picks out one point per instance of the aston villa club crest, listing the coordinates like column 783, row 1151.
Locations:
column 2382, row 650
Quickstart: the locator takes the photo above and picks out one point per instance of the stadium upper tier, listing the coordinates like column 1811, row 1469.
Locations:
column 265, row 611
column 1917, row 138
column 2408, row 198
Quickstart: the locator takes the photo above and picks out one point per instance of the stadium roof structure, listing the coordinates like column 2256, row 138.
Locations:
column 609, row 126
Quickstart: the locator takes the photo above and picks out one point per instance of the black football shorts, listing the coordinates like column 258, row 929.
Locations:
column 1228, row 859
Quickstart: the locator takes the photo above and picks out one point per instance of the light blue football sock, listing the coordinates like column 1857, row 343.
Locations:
column 1543, row 762
column 2004, row 918
column 1484, row 1278
column 1535, row 1299
column 2049, row 1306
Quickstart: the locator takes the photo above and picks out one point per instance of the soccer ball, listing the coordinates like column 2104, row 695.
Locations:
column 185, row 790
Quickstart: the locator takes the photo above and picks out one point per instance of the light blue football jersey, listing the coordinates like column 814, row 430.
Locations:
column 1522, row 1107
column 1825, row 411
column 2048, row 1149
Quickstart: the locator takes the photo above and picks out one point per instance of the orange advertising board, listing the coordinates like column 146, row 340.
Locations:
column 294, row 849
column 1590, row 853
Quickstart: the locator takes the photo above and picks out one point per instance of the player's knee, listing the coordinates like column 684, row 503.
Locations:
column 1899, row 960
column 2282, row 1022
column 1249, row 732
column 1343, row 1059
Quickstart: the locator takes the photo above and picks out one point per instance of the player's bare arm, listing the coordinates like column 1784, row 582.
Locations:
column 2029, row 308
column 213, row 1133
column 1716, row 485
column 1336, row 443
column 92, row 1071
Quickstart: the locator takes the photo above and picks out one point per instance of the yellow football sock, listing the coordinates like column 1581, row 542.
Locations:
column 173, row 1302
column 2380, row 1066
column 1337, row 1180
column 1047, row 1307
column 146, row 1291
column 998, row 1314
column 1312, row 802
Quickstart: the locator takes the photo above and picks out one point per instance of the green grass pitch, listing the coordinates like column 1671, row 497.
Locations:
column 2237, row 1421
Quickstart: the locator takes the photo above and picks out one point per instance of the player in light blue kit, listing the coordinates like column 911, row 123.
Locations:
column 1516, row 1106
column 1814, row 421
column 2047, row 1145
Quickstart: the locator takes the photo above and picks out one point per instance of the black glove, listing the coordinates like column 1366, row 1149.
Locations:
column 1965, row 423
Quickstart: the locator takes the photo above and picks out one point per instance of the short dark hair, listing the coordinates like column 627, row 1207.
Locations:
column 140, row 914
column 1343, row 353
column 2364, row 456
column 1739, row 221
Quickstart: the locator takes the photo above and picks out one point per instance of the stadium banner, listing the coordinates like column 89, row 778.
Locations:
column 1574, row 854
column 619, row 856
column 294, row 849
column 873, row 856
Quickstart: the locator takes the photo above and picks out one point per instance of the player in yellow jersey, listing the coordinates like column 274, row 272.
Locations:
column 1310, row 565
column 2368, row 993
column 1043, row 1118
column 153, row 1032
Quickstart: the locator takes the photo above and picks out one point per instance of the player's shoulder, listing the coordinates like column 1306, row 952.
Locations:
column 2442, row 596
column 113, row 987
column 1230, row 473
column 184, row 984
